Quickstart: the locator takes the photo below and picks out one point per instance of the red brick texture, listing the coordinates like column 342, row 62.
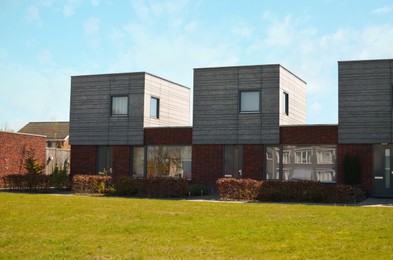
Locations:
column 207, row 163
column 83, row 159
column 365, row 154
column 253, row 161
column 121, row 160
column 318, row 134
column 168, row 135
column 13, row 148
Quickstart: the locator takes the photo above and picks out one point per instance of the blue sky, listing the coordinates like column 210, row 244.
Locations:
column 45, row 42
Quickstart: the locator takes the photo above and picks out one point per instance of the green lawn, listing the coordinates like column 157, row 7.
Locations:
column 49, row 226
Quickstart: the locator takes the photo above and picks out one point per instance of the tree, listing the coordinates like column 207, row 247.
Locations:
column 31, row 164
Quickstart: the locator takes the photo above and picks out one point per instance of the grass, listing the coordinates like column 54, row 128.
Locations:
column 45, row 226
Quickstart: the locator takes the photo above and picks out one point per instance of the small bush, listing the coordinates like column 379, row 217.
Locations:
column 124, row 186
column 31, row 165
column 306, row 191
column 91, row 184
column 59, row 178
column 238, row 189
column 198, row 190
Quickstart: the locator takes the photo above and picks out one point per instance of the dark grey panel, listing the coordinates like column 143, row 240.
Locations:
column 365, row 102
column 216, row 117
column 90, row 113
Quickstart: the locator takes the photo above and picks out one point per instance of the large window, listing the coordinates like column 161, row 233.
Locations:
column 250, row 101
column 301, row 162
column 138, row 162
column 169, row 161
column 119, row 105
column 154, row 107
column 104, row 162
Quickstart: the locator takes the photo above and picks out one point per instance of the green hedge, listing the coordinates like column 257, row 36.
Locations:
column 278, row 191
column 238, row 189
column 158, row 187
column 28, row 181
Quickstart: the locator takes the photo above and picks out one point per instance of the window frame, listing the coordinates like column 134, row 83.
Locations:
column 112, row 103
column 157, row 116
column 259, row 101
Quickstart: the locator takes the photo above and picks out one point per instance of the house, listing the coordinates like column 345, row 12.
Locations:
column 57, row 133
column 248, row 122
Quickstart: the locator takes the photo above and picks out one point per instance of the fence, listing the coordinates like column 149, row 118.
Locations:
column 57, row 156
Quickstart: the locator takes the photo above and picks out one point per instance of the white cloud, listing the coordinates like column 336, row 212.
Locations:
column 45, row 57
column 92, row 26
column 33, row 13
column 315, row 108
column 70, row 6
column 383, row 10
column 242, row 31
column 95, row 2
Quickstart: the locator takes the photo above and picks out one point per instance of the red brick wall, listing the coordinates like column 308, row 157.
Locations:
column 13, row 148
column 168, row 135
column 365, row 154
column 311, row 134
column 121, row 160
column 253, row 161
column 83, row 159
column 207, row 163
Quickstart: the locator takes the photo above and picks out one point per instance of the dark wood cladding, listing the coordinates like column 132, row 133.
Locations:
column 309, row 134
column 168, row 136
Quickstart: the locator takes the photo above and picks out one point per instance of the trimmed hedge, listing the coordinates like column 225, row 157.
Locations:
column 277, row 191
column 28, row 181
column 91, row 184
column 238, row 189
column 306, row 191
column 158, row 187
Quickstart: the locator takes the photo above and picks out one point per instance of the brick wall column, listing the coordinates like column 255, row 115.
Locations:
column 121, row 160
column 83, row 159
column 207, row 163
column 253, row 161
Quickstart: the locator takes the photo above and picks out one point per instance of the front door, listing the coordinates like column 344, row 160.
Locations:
column 383, row 171
column 233, row 161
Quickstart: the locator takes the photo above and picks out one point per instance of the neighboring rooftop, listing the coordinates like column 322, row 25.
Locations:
column 52, row 130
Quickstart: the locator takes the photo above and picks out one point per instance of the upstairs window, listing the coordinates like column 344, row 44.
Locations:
column 154, row 107
column 119, row 105
column 285, row 103
column 250, row 101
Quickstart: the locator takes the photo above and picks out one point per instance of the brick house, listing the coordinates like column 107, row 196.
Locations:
column 248, row 122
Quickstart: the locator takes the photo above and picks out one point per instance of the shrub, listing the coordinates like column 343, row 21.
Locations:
column 91, row 184
column 31, row 165
column 59, row 178
column 198, row 190
column 238, row 189
column 162, row 187
column 306, row 191
column 28, row 181
column 124, row 185
column 351, row 170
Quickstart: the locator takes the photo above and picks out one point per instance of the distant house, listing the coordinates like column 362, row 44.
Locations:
column 57, row 133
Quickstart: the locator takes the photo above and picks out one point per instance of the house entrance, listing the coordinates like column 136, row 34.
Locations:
column 383, row 170
column 233, row 161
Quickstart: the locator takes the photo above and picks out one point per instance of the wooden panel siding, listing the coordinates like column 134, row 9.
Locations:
column 365, row 101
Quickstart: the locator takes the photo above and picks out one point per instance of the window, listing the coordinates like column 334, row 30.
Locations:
column 249, row 101
column 303, row 156
column 138, row 162
column 119, row 105
column 325, row 156
column 169, row 161
column 272, row 163
column 285, row 103
column 104, row 162
column 154, row 107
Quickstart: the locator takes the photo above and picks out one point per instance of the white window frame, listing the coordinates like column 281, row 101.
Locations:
column 303, row 156
column 321, row 159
